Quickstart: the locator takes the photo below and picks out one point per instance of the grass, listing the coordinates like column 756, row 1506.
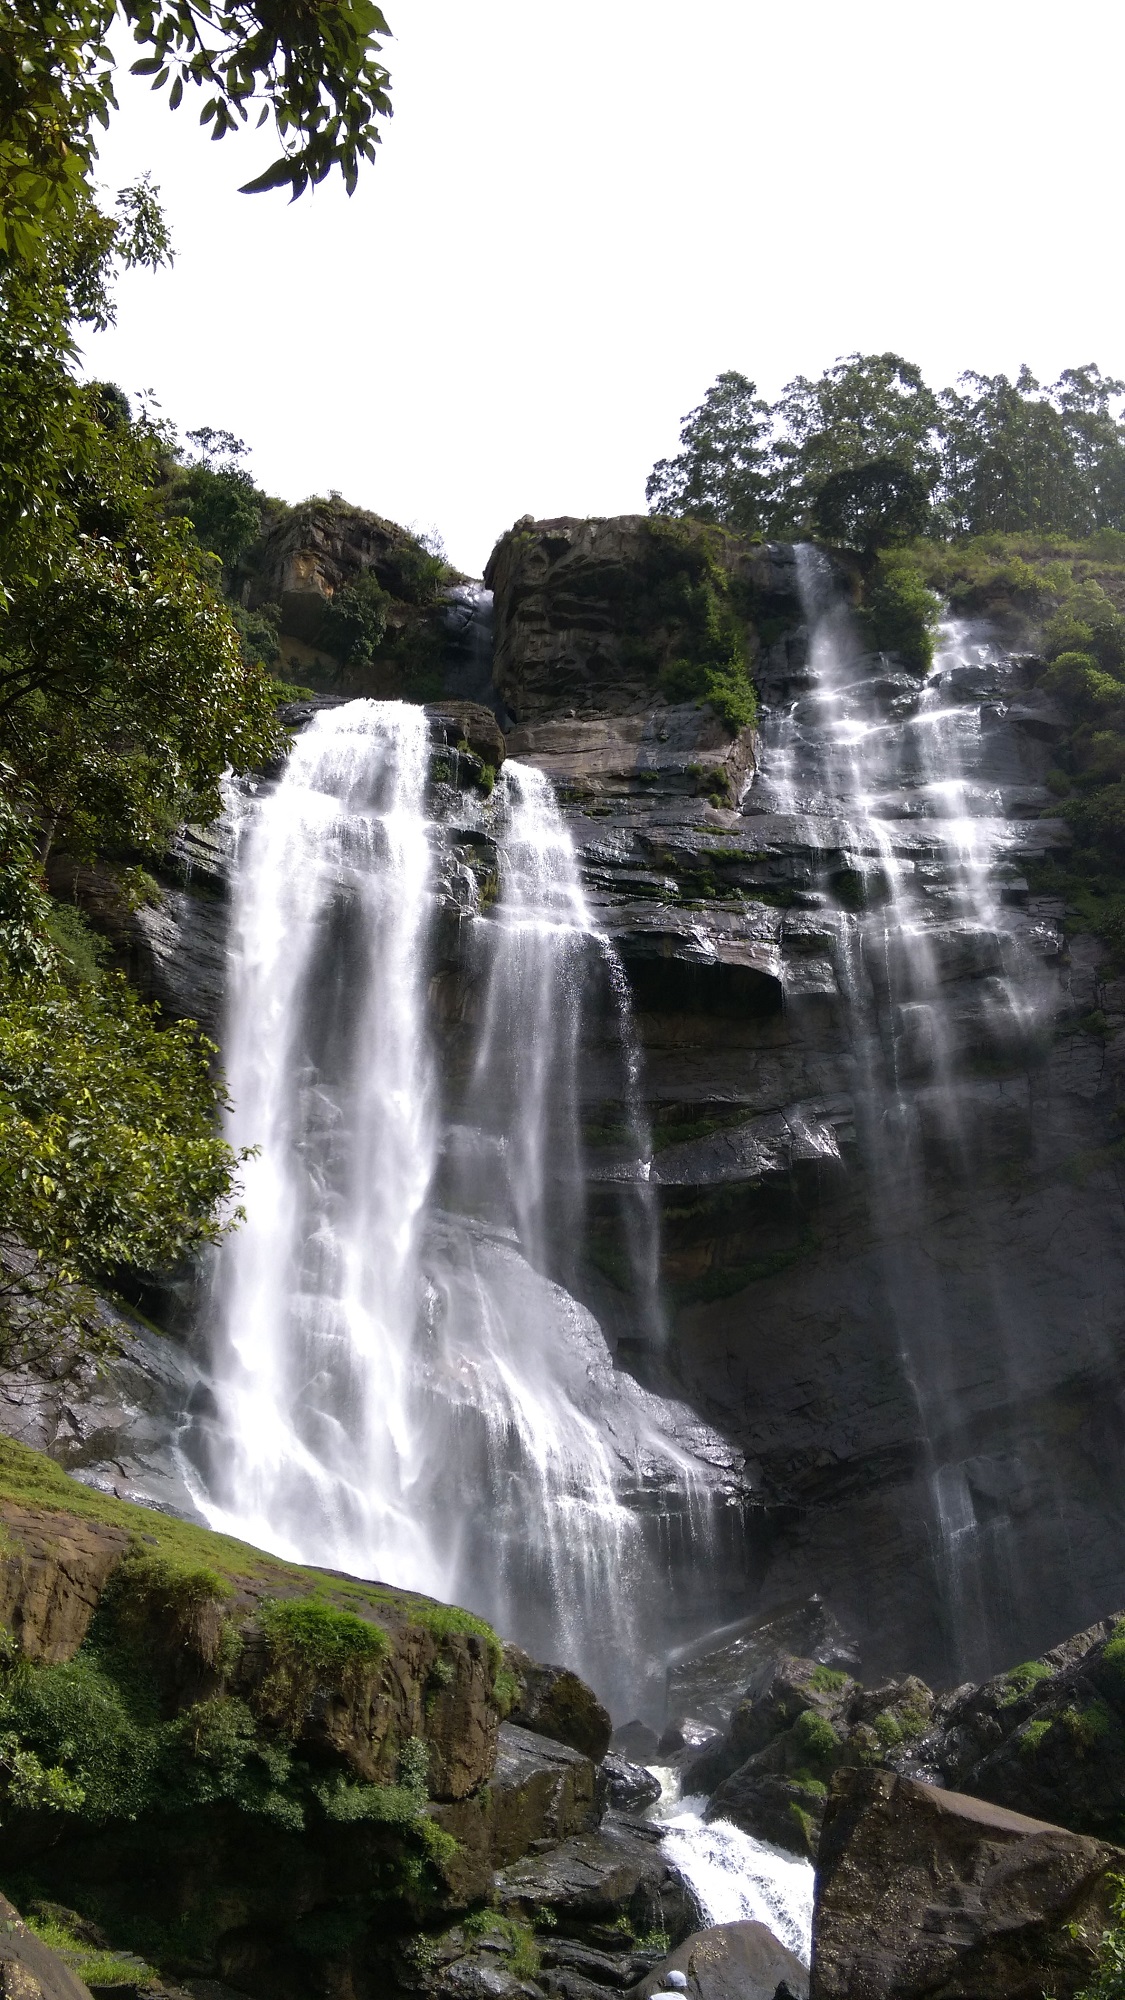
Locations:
column 95, row 1966
column 188, row 1563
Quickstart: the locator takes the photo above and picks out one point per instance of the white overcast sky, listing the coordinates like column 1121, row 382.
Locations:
column 582, row 213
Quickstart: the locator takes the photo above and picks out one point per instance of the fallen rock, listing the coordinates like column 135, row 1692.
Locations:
column 554, row 1702
column 593, row 1881
column 923, row 1892
column 629, row 1787
column 742, row 1961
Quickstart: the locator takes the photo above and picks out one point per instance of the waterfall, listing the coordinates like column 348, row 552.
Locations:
column 406, row 1384
column 943, row 980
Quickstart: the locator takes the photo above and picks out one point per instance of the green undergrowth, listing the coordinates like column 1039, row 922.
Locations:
column 92, row 1963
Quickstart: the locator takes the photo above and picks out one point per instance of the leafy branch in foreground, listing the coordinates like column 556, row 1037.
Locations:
column 311, row 65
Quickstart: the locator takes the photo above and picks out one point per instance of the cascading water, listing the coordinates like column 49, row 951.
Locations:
column 405, row 1386
column 943, row 978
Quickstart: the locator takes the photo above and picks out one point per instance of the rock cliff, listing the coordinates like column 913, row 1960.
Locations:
column 736, row 912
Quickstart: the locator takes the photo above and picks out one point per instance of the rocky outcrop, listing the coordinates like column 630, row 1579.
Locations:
column 29, row 1969
column 742, row 932
column 923, row 1892
column 588, row 612
column 740, row 1961
column 262, row 1775
column 553, row 1702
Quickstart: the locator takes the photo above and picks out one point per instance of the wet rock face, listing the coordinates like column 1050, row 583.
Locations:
column 922, row 1891
column 555, row 1702
column 918, row 1367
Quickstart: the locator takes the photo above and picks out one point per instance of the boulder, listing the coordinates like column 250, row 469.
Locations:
column 629, row 1787
column 921, row 1892
column 29, row 1969
column 539, row 1793
column 554, row 1702
column 596, row 1885
column 740, row 1961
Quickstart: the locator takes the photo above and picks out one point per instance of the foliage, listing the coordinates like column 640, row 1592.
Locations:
column 900, row 613
column 94, row 1965
column 868, row 456
column 690, row 599
column 1108, row 1982
column 108, row 1151
column 872, row 506
column 720, row 473
column 315, row 70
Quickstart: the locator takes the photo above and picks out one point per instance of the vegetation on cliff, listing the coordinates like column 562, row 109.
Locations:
column 227, row 1720
column 1005, row 500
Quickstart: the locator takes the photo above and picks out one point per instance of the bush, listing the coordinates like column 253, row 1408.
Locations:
column 900, row 613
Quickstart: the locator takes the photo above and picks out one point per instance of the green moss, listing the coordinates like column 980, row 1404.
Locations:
column 1020, row 1680
column 888, row 1729
column 826, row 1680
column 506, row 1691
column 1032, row 1737
column 448, row 1621
column 816, row 1737
column 311, row 1643
column 522, row 1955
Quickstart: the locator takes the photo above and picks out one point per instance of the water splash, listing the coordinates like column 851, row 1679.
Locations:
column 734, row 1877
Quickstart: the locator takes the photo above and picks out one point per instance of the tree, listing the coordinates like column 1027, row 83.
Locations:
column 723, row 472
column 872, row 506
column 217, row 495
column 311, row 65
column 866, row 411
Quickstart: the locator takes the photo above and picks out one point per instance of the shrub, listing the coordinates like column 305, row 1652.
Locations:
column 900, row 612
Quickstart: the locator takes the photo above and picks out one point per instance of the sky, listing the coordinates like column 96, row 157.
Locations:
column 581, row 214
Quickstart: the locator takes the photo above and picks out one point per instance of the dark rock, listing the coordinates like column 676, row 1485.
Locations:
column 471, row 723
column 582, row 623
column 593, row 1880
column 921, row 1891
column 785, row 1811
column 539, row 1793
column 29, row 1969
column 554, row 1702
column 708, row 1677
column 629, row 1787
column 741, row 1961
column 636, row 1741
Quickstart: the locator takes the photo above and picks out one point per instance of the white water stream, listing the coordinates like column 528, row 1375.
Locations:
column 944, row 987
column 405, row 1388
